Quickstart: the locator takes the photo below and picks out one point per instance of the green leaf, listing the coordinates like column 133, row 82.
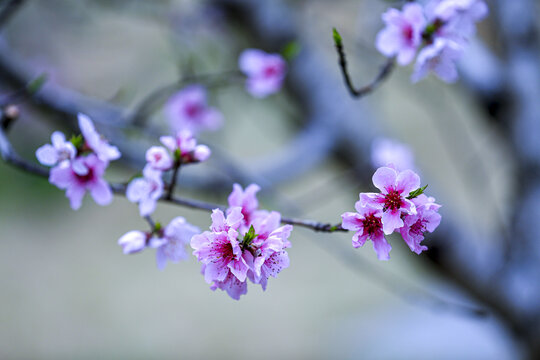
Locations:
column 77, row 141
column 291, row 50
column 177, row 155
column 250, row 235
column 36, row 84
column 417, row 192
column 337, row 37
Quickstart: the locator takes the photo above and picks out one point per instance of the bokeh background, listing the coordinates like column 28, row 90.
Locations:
column 68, row 292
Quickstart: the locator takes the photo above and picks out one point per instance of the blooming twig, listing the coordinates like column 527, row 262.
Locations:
column 384, row 72
column 11, row 157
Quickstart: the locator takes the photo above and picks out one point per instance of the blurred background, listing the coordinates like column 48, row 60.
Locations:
column 68, row 292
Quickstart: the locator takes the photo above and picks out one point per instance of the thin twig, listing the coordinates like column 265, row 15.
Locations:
column 11, row 157
column 172, row 184
column 150, row 222
column 383, row 73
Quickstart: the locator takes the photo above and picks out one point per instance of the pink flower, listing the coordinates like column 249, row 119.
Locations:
column 184, row 145
column 268, row 247
column 146, row 191
column 81, row 175
column 219, row 249
column 95, row 141
column 246, row 199
column 231, row 255
column 234, row 287
column 158, row 158
column 265, row 72
column 188, row 110
column 177, row 235
column 390, row 153
column 392, row 201
column 402, row 35
column 440, row 58
column 60, row 150
column 367, row 224
column 133, row 241
column 426, row 219
column 459, row 17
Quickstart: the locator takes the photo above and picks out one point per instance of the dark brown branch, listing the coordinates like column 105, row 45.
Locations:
column 174, row 178
column 384, row 72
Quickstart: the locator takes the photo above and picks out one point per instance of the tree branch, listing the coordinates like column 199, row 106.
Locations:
column 383, row 73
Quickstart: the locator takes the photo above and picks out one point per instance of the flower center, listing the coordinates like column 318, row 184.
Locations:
column 371, row 224
column 418, row 228
column 270, row 71
column 193, row 110
column 407, row 32
column 392, row 200
column 223, row 252
column 85, row 178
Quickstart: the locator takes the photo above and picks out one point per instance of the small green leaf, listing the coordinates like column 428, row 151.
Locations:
column 77, row 141
column 337, row 37
column 36, row 84
column 250, row 235
column 157, row 227
column 417, row 192
column 291, row 50
column 177, row 155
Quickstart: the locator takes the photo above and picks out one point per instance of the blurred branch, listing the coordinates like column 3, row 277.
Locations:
column 473, row 264
column 8, row 153
column 383, row 73
column 8, row 10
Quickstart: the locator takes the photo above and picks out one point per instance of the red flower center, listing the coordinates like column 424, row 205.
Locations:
column 193, row 110
column 408, row 33
column 371, row 224
column 83, row 179
column 392, row 200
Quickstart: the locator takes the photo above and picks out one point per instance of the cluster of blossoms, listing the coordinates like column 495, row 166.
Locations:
column 169, row 243
column 179, row 150
column 400, row 206
column 245, row 243
column 439, row 31
column 78, row 165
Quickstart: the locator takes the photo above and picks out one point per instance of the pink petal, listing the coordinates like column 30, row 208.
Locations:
column 47, row 155
column 101, row 192
column 351, row 221
column 359, row 239
column 251, row 61
column 384, row 178
column 61, row 176
column 169, row 142
column 407, row 181
column 391, row 220
column 381, row 247
column 75, row 194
